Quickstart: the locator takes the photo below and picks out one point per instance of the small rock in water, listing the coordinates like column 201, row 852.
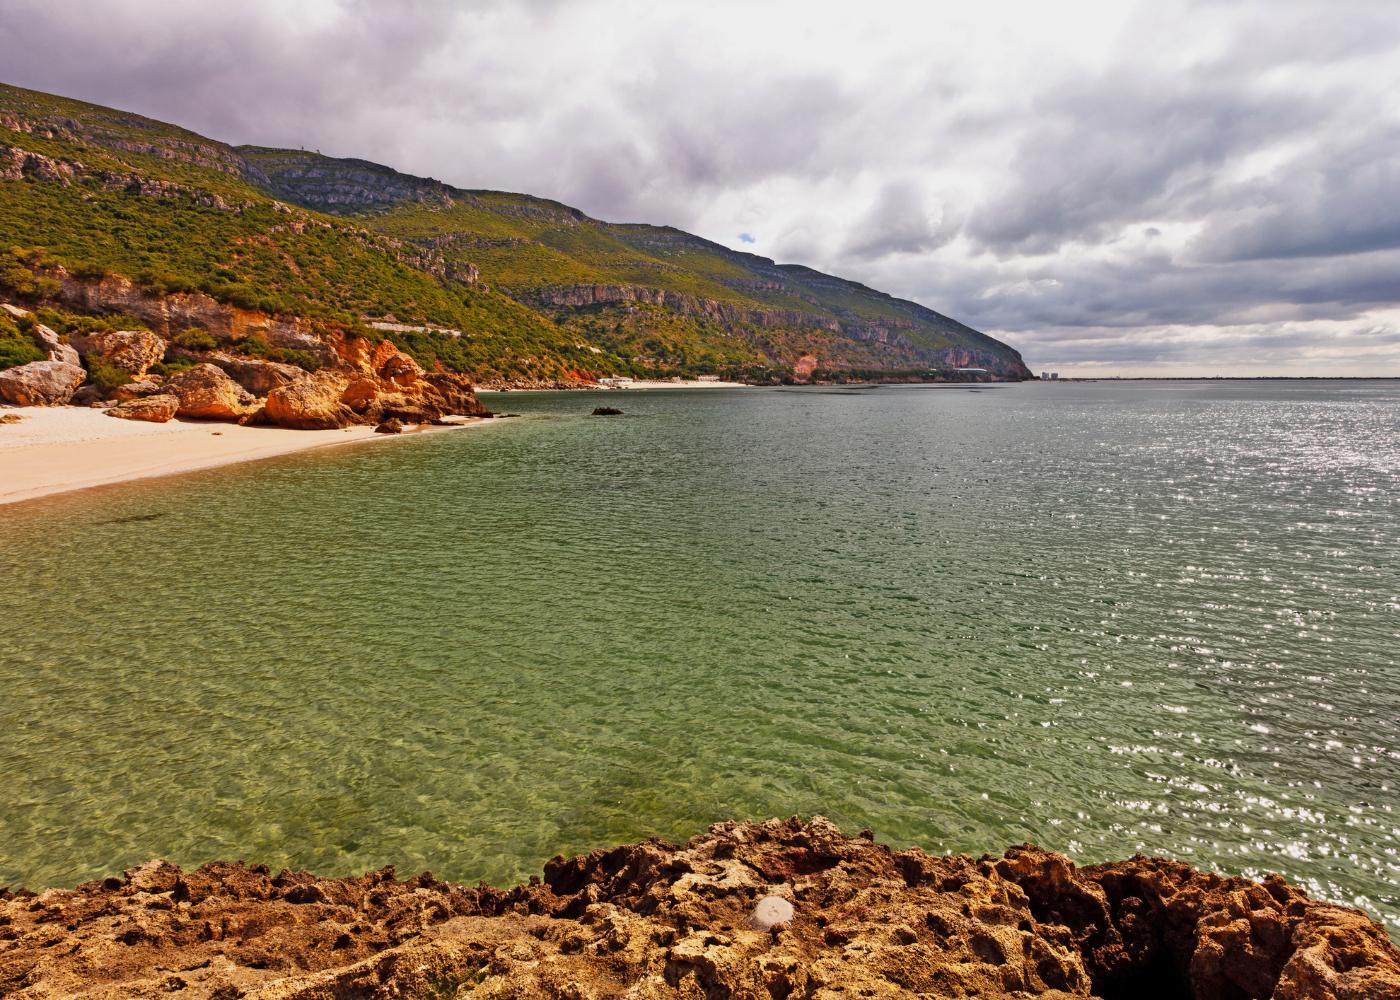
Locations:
column 606, row 411
column 770, row 912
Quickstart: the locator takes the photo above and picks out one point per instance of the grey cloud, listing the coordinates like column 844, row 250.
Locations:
column 1122, row 149
column 899, row 222
column 1341, row 199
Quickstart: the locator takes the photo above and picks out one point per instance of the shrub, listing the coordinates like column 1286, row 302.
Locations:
column 172, row 367
column 74, row 323
column 254, row 346
column 16, row 347
column 291, row 356
column 106, row 376
column 89, row 271
column 195, row 339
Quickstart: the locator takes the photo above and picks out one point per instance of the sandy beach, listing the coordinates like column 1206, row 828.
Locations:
column 56, row 449
column 666, row 384
column 636, row 384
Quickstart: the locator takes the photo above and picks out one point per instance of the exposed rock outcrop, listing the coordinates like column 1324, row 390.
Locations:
column 258, row 377
column 168, row 315
column 40, row 383
column 779, row 909
column 156, row 409
column 205, row 392
column 133, row 351
column 311, row 403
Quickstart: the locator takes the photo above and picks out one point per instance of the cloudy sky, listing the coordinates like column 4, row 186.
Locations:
column 1115, row 188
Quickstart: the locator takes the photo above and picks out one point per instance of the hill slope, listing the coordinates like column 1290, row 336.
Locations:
column 501, row 286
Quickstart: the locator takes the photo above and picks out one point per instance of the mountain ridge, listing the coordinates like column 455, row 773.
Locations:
column 533, row 288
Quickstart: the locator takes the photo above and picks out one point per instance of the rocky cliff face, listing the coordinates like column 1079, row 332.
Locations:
column 357, row 381
column 779, row 909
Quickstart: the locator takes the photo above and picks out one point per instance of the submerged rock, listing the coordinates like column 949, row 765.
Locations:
column 606, row 411
column 40, row 383
column 652, row 920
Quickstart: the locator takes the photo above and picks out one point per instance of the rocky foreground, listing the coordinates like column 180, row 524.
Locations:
column 705, row 921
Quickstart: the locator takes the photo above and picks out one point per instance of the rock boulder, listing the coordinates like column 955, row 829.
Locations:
column 312, row 402
column 56, row 348
column 156, row 409
column 41, row 383
column 207, row 393
column 258, row 377
column 133, row 351
column 138, row 390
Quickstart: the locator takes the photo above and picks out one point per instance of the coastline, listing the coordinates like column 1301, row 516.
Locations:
column 776, row 909
column 62, row 449
column 595, row 387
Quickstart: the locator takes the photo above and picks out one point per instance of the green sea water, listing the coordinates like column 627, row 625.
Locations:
column 1107, row 618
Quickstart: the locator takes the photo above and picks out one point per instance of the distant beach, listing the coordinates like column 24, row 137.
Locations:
column 57, row 449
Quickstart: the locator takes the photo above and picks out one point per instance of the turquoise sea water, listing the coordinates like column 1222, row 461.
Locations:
column 1105, row 618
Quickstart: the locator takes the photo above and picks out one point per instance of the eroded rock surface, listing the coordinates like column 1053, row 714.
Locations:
column 133, row 351
column 40, row 383
column 655, row 921
column 207, row 393
column 310, row 403
column 156, row 409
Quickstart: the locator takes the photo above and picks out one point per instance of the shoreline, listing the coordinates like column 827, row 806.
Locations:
column 63, row 449
column 638, row 384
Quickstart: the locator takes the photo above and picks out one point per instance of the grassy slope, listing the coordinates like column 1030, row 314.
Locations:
column 250, row 254
column 366, row 241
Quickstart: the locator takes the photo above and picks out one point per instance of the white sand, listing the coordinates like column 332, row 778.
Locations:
column 55, row 449
column 663, row 384
column 638, row 384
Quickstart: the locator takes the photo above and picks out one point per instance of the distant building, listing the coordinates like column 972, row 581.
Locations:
column 1054, row 376
column 1045, row 376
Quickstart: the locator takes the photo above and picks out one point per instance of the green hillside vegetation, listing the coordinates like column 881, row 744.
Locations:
column 345, row 243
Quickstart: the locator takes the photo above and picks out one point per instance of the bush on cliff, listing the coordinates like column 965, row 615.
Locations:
column 17, row 347
column 195, row 339
column 104, row 376
column 70, row 323
column 255, row 346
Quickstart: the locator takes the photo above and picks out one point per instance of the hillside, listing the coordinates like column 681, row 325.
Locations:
column 498, row 286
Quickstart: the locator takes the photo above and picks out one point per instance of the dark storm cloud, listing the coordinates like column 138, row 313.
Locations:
column 1099, row 180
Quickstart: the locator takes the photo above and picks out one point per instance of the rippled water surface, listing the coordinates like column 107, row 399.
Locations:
column 1106, row 618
